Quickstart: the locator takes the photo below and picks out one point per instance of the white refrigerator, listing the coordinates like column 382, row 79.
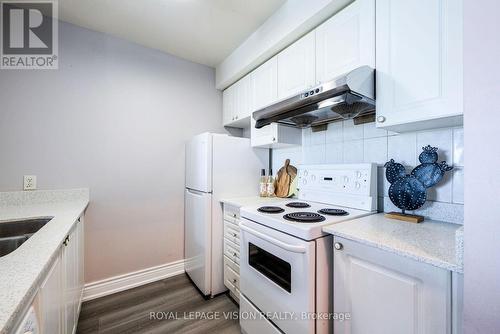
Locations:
column 217, row 166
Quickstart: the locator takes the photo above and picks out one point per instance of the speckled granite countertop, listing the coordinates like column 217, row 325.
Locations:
column 23, row 270
column 251, row 200
column 430, row 242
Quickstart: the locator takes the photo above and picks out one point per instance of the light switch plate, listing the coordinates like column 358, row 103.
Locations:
column 29, row 182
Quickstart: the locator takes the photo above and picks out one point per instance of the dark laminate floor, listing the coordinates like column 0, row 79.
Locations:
column 129, row 311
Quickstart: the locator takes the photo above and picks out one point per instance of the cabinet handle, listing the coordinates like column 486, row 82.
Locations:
column 234, row 254
column 338, row 246
column 235, row 280
column 381, row 119
column 234, row 235
column 274, row 138
column 234, row 215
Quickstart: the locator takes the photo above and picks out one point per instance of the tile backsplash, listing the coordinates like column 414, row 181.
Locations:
column 344, row 142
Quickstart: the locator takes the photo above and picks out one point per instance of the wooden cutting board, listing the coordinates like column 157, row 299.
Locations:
column 284, row 179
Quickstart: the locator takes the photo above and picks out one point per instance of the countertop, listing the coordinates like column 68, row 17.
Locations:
column 23, row 270
column 431, row 242
column 250, row 200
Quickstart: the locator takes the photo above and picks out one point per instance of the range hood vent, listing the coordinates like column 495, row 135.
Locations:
column 347, row 96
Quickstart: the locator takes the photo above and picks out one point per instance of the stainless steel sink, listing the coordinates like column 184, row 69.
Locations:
column 14, row 233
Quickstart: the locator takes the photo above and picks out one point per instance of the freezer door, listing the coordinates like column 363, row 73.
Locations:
column 197, row 238
column 199, row 163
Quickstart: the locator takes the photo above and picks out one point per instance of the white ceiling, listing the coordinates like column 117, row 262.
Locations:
column 203, row 31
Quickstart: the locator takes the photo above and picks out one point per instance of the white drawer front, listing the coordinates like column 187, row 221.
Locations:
column 230, row 276
column 233, row 265
column 231, row 214
column 232, row 251
column 231, row 234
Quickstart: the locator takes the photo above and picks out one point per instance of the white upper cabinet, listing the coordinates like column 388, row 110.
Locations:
column 265, row 83
column 237, row 103
column 346, row 41
column 296, row 70
column 228, row 102
column 419, row 64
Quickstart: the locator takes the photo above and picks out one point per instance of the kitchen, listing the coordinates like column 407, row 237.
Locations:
column 278, row 166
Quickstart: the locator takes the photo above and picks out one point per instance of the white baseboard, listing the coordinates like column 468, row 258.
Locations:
column 131, row 280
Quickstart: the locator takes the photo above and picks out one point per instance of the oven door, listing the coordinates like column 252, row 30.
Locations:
column 277, row 275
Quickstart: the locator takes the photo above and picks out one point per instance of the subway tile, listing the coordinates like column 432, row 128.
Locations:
column 441, row 211
column 441, row 138
column 403, row 148
column 458, row 186
column 334, row 153
column 442, row 192
column 375, row 150
column 318, row 138
column 334, row 133
column 458, row 147
column 380, row 182
column 306, row 137
column 351, row 131
column 371, row 131
column 353, row 151
column 314, row 154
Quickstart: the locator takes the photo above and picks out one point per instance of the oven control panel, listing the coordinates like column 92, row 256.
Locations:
column 339, row 183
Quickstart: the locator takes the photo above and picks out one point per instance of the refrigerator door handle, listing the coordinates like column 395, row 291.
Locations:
column 196, row 192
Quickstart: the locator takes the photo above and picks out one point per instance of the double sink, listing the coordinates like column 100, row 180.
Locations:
column 15, row 232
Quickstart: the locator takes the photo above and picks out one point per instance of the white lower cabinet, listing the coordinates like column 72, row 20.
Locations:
column 50, row 296
column 60, row 295
column 232, row 250
column 72, row 277
column 385, row 293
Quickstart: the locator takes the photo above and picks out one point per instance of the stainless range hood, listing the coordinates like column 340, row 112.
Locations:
column 347, row 96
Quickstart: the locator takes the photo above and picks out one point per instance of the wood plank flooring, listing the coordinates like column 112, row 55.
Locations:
column 130, row 311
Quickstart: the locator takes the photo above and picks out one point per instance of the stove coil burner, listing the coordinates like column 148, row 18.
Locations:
column 304, row 217
column 270, row 209
column 334, row 212
column 298, row 205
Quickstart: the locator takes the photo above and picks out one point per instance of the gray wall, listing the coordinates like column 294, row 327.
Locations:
column 482, row 179
column 113, row 118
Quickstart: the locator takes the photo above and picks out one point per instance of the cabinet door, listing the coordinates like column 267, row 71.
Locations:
column 419, row 64
column 274, row 135
column 51, row 300
column 70, row 280
column 81, row 260
column 265, row 83
column 346, row 41
column 296, row 70
column 228, row 105
column 244, row 98
column 389, row 294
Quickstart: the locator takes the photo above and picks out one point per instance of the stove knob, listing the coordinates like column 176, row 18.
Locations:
column 305, row 173
column 358, row 174
column 358, row 185
column 346, row 179
column 304, row 181
column 338, row 246
column 313, row 177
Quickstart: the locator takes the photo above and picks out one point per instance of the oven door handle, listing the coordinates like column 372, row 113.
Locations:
column 281, row 244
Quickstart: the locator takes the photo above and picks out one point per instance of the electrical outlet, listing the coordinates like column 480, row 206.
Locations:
column 29, row 182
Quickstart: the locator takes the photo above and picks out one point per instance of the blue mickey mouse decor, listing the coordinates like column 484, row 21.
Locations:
column 408, row 191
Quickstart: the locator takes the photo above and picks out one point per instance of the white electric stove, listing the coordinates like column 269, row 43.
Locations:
column 286, row 259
